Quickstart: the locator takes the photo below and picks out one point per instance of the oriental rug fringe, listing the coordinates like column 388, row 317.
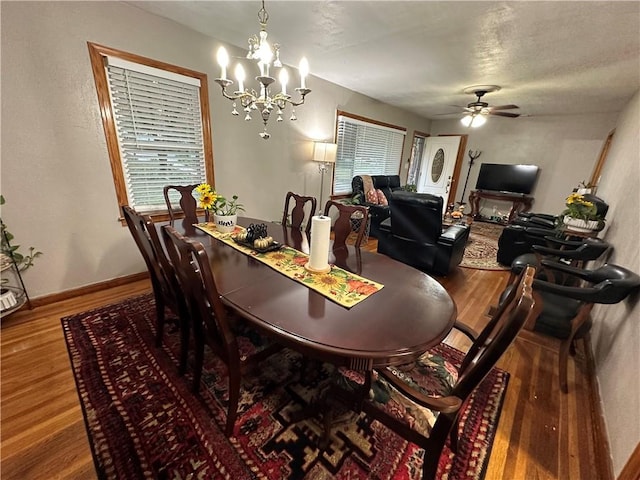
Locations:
column 143, row 421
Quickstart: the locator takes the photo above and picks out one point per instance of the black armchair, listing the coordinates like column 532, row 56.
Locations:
column 377, row 213
column 413, row 234
column 571, row 252
column 565, row 311
column 516, row 240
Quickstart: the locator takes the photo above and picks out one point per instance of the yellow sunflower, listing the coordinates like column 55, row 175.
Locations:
column 328, row 280
column 207, row 200
column 203, row 188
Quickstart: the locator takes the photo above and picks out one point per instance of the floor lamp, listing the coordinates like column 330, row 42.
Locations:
column 325, row 154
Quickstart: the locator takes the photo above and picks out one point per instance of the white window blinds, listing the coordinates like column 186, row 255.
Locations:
column 365, row 149
column 159, row 127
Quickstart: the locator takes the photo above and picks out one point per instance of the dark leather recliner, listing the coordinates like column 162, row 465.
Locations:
column 377, row 213
column 413, row 234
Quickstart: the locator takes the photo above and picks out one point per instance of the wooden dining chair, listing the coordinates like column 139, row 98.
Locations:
column 229, row 337
column 422, row 401
column 297, row 214
column 345, row 222
column 166, row 288
column 187, row 205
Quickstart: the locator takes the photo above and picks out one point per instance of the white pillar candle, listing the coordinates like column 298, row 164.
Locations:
column 320, row 232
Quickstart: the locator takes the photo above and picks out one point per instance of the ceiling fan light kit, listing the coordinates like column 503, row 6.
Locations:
column 476, row 113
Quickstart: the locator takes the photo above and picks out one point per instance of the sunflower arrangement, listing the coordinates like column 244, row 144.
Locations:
column 578, row 207
column 212, row 201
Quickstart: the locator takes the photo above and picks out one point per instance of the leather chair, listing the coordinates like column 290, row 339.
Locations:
column 571, row 252
column 378, row 213
column 413, row 234
column 516, row 240
column 565, row 310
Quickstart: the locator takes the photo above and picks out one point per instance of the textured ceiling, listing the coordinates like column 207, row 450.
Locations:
column 550, row 58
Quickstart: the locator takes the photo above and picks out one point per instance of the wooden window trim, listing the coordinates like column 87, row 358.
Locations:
column 367, row 120
column 98, row 54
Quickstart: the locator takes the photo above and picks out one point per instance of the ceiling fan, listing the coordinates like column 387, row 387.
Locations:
column 476, row 112
column 480, row 107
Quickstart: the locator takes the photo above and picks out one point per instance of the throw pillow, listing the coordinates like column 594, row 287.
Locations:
column 382, row 200
column 372, row 197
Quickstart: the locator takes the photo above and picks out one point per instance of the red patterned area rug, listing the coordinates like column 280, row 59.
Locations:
column 481, row 250
column 143, row 421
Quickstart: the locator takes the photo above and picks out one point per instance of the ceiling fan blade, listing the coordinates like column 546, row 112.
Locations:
column 505, row 114
column 504, row 107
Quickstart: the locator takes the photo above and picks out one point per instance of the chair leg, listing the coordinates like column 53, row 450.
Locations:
column 184, row 344
column 566, row 346
column 199, row 360
column 159, row 321
column 453, row 438
column 430, row 466
column 562, row 365
column 234, row 398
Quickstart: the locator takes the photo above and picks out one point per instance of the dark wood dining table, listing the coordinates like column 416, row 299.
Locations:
column 394, row 326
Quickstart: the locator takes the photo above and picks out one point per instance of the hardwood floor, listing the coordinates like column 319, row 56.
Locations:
column 542, row 434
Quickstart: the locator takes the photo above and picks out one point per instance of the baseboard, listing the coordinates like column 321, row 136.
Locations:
column 94, row 287
column 604, row 467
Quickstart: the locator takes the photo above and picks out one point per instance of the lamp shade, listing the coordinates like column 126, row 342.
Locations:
column 324, row 152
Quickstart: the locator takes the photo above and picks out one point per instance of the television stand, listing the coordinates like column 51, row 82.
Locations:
column 519, row 202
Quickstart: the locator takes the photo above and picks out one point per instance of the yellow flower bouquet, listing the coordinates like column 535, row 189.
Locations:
column 213, row 202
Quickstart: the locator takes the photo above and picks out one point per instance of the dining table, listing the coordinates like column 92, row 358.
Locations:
column 410, row 314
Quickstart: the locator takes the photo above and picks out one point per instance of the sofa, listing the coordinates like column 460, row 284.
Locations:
column 377, row 213
column 413, row 234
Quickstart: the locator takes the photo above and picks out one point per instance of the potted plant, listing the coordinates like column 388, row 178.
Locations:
column 225, row 211
column 10, row 255
column 581, row 215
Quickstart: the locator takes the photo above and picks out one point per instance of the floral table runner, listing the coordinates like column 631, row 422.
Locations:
column 343, row 287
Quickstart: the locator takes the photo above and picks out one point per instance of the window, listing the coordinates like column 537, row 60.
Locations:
column 156, row 120
column 417, row 151
column 365, row 147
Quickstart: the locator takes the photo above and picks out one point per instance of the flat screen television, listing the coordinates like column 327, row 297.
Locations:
column 507, row 178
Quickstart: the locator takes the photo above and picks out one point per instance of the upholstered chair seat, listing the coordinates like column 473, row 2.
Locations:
column 430, row 375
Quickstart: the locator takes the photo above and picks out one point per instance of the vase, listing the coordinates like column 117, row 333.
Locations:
column 579, row 225
column 225, row 223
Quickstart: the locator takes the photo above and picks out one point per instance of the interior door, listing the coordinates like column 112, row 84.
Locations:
column 438, row 163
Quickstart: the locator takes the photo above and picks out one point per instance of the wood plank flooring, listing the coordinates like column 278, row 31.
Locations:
column 542, row 434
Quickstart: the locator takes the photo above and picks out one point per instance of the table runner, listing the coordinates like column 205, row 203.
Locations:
column 344, row 288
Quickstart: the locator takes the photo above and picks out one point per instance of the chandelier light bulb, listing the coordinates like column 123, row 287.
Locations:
column 240, row 76
column 265, row 54
column 223, row 61
column 304, row 71
column 284, row 78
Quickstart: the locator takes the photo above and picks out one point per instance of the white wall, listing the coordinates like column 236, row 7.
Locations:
column 56, row 175
column 564, row 147
column 616, row 331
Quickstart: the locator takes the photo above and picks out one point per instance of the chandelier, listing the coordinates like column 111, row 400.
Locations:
column 268, row 60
